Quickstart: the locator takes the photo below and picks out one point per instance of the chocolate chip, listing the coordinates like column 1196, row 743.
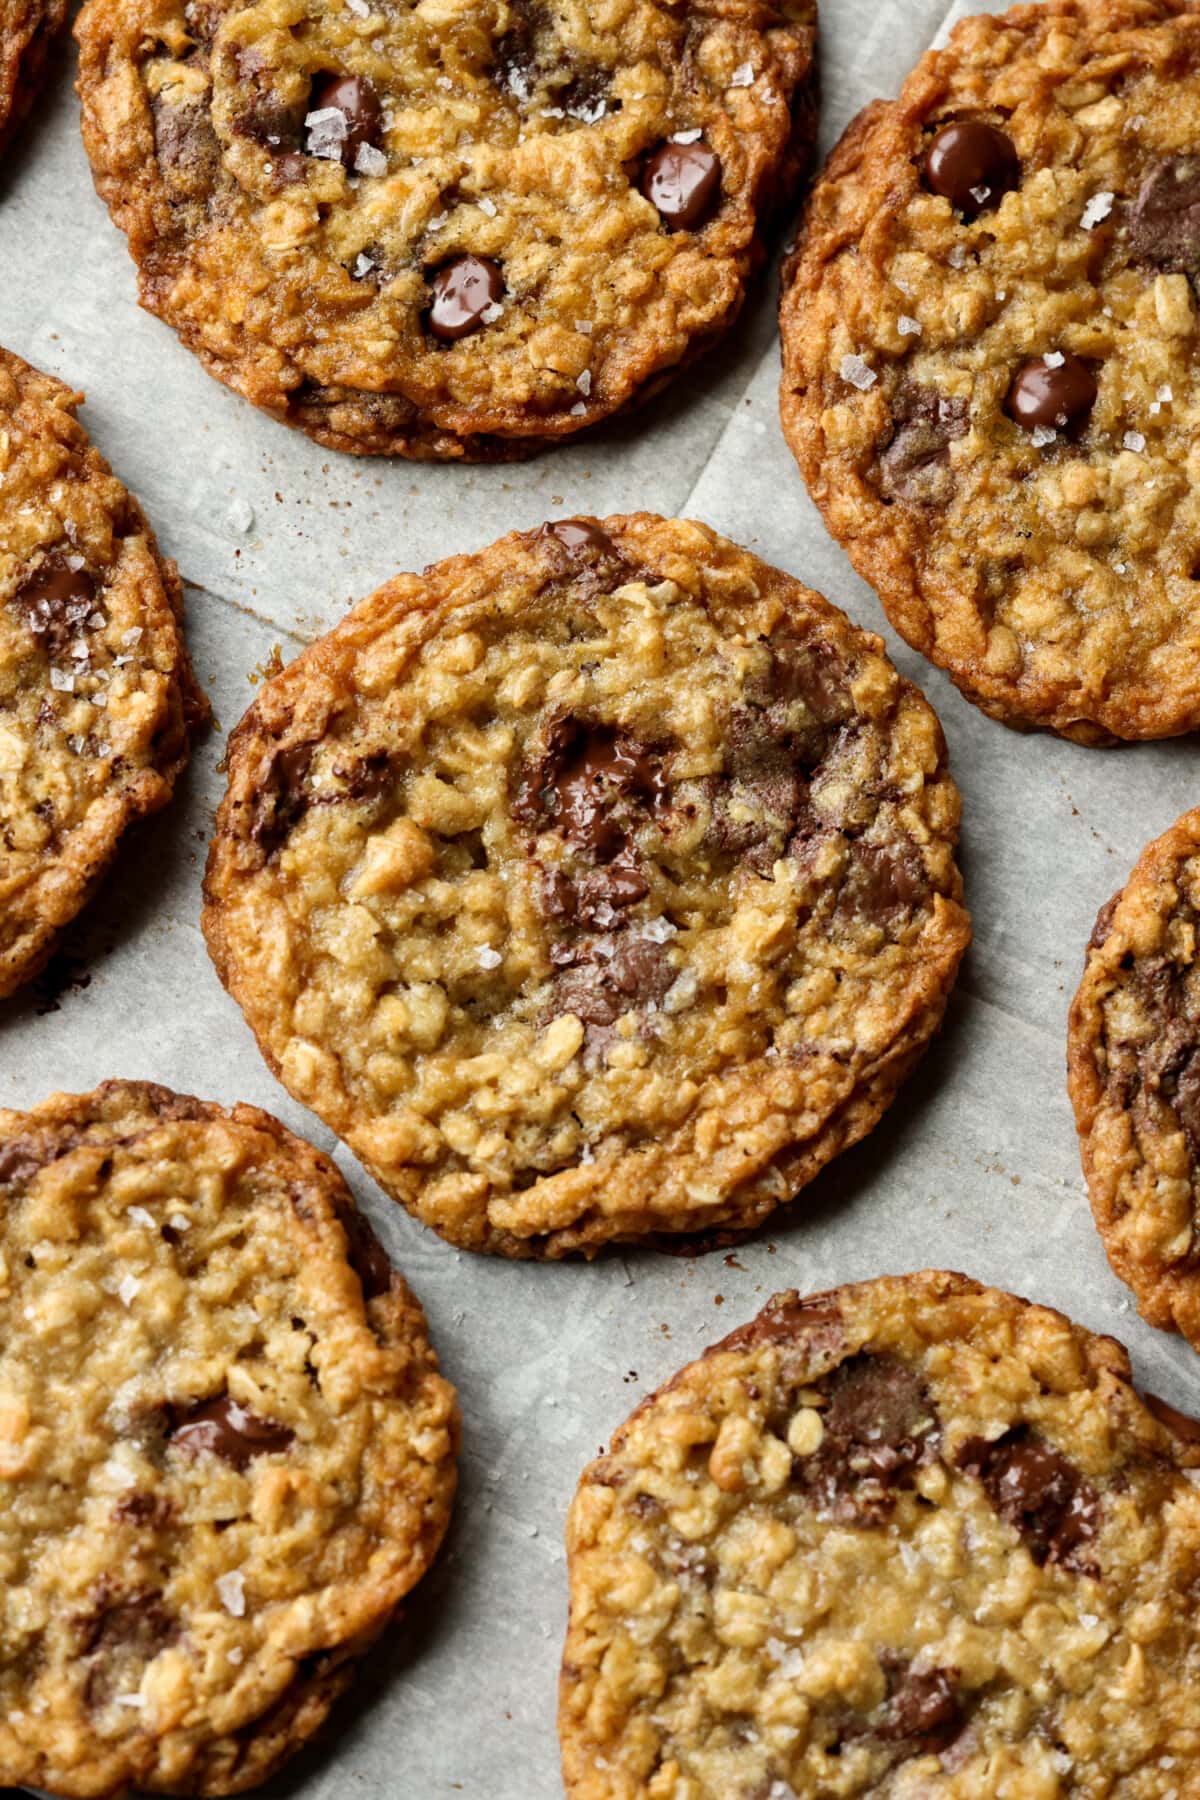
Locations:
column 462, row 293
column 589, row 783
column 578, row 534
column 1175, row 1421
column 923, row 1710
column 364, row 1252
column 1054, row 399
column 915, row 465
column 973, row 165
column 228, row 1430
column 1164, row 228
column 611, row 976
column 879, row 1425
column 354, row 97
column 683, row 181
column 54, row 603
column 1036, row 1489
column 280, row 798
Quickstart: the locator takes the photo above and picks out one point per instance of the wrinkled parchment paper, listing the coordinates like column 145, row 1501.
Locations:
column 974, row 1168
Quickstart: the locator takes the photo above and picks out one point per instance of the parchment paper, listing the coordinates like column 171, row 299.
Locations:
column 974, row 1168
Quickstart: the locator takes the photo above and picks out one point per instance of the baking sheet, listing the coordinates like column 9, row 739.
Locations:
column 974, row 1168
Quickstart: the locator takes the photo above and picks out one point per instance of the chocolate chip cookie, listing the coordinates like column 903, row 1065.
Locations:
column 225, row 1447
column 445, row 231
column 1134, row 1064
column 27, row 30
column 912, row 1537
column 595, row 886
column 97, row 696
column 989, row 384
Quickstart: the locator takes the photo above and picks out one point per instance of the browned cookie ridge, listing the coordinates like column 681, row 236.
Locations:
column 453, row 231
column 1134, row 1064
column 595, row 886
column 225, row 1448
column 97, row 695
column 989, row 335
column 913, row 1537
column 28, row 29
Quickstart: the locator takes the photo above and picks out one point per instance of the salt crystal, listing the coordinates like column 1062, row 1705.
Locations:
column 908, row 327
column 957, row 256
column 96, row 620
column 1133, row 440
column 75, row 561
column 75, row 745
column 1097, row 208
column 61, row 682
column 584, row 382
column 236, row 1656
column 578, row 410
column 179, row 1222
column 1165, row 392
column 132, row 636
column 1121, row 568
column 1041, row 435
column 80, row 651
column 980, row 195
column 232, row 1590
column 491, row 313
column 360, row 8
column 488, row 958
column 370, row 161
column 659, row 930
column 487, row 206
column 854, row 370
column 140, row 1216
column 436, row 224
column 130, row 1699
column 589, row 115
column 363, row 266
column 585, row 326
column 127, row 1289
column 1054, row 359
column 119, row 1473
column 743, row 76
column 326, row 128
column 553, row 112
column 687, row 137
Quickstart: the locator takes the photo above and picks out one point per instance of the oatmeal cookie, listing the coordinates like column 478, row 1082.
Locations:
column 912, row 1537
column 990, row 341
column 597, row 885
column 27, row 30
column 445, row 231
column 1134, row 1067
column 226, row 1450
column 97, row 696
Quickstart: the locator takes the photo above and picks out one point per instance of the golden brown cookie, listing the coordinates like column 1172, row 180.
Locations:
column 27, row 30
column 989, row 362
column 597, row 885
column 97, row 696
column 1134, row 1065
column 445, row 231
column 225, row 1449
column 914, row 1537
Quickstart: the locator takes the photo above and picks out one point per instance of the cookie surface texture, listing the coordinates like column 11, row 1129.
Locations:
column 913, row 1537
column 225, row 1448
column 989, row 383
column 27, row 30
column 1134, row 1064
column 596, row 885
column 97, row 696
column 444, row 232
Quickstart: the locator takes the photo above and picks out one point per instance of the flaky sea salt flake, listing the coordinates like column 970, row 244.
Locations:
column 578, row 410
column 487, row 958
column 743, row 75
column 359, row 8
column 687, row 137
column 1133, row 440
column 326, row 129
column 1097, row 208
column 908, row 327
column 128, row 1289
column 370, row 161
column 1041, row 435
column 491, row 313
column 140, row 1216
column 232, row 1591
column 584, row 382
column 1054, row 359
column 858, row 373
column 487, row 206
column 61, row 682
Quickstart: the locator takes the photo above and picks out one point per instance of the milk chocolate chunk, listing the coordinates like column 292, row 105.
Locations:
column 915, row 465
column 923, row 1710
column 462, row 293
column 55, row 602
column 1036, row 1489
column 584, row 771
column 973, row 165
column 354, row 97
column 1053, row 393
column 282, row 798
column 578, row 534
column 878, row 1426
column 684, row 182
column 229, row 1430
column 1164, row 228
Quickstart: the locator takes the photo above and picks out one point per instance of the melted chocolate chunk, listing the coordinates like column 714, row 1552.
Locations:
column 228, row 1430
column 973, row 165
column 364, row 1252
column 19, row 1162
column 1036, row 1489
column 1183, row 1427
column 266, row 119
column 142, row 1509
column 597, row 898
column 578, row 534
column 354, row 97
column 590, row 783
column 1104, row 919
column 189, row 155
column 1164, row 229
column 879, row 1426
column 885, row 884
column 462, row 293
column 138, row 1623
column 1055, row 399
column 760, row 799
column 683, row 181
column 915, row 465
column 371, row 778
column 923, row 1711
column 611, row 976
column 281, row 799
column 54, row 603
